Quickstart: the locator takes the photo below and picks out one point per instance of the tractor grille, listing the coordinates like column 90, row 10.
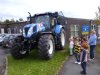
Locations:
column 34, row 28
column 26, row 30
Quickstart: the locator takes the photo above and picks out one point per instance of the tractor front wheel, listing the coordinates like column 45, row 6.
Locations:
column 46, row 46
column 18, row 52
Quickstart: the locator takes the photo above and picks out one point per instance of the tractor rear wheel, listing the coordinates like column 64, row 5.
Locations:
column 18, row 52
column 62, row 39
column 46, row 46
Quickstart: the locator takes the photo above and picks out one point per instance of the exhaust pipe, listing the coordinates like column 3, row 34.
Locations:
column 30, row 18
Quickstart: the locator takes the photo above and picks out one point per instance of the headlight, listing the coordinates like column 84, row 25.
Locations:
column 30, row 32
column 23, row 32
column 1, row 40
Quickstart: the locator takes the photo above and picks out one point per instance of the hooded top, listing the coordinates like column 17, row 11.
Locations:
column 92, row 40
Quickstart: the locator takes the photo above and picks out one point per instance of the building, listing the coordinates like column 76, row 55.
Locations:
column 74, row 27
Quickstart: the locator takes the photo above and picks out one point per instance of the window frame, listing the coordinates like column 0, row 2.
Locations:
column 93, row 27
column 74, row 30
column 99, row 32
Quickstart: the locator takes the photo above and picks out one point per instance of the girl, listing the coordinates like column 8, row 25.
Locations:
column 83, row 57
column 71, row 44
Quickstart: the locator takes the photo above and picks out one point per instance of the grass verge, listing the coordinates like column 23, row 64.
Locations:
column 32, row 65
column 98, row 49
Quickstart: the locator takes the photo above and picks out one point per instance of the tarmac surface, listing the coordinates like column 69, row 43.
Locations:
column 70, row 68
column 2, row 61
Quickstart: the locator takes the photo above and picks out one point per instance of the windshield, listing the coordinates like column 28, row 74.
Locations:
column 42, row 19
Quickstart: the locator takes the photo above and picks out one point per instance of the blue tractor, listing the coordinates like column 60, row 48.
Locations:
column 44, row 31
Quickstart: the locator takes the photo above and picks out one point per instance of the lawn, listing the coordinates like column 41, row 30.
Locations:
column 33, row 65
column 98, row 48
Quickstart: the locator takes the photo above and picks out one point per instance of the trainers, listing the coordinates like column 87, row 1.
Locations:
column 76, row 62
column 79, row 63
column 82, row 72
column 89, row 59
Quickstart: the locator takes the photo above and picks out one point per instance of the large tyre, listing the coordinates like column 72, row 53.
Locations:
column 46, row 46
column 18, row 52
column 62, row 40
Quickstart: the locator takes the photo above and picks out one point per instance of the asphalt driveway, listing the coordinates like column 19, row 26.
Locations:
column 2, row 61
column 70, row 68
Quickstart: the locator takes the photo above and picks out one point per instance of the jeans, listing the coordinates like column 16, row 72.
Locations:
column 83, row 65
column 77, row 56
column 92, row 47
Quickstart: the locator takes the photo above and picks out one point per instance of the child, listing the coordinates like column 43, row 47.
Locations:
column 71, row 44
column 77, row 50
column 83, row 57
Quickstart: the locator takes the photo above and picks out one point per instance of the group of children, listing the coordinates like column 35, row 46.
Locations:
column 79, row 48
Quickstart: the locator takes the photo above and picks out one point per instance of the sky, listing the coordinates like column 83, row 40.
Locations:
column 15, row 9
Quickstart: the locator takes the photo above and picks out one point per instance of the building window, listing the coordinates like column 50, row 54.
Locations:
column 74, row 30
column 2, row 31
column 20, row 31
column 98, row 32
column 9, row 30
column 93, row 27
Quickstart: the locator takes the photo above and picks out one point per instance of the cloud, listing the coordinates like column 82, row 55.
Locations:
column 71, row 8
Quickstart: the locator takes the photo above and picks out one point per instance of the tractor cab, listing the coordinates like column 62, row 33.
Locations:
column 47, row 19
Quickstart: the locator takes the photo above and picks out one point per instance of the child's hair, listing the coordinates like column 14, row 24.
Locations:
column 71, row 38
column 85, row 44
column 84, row 39
column 76, row 41
column 75, row 38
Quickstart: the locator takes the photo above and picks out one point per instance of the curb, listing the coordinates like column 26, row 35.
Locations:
column 6, row 70
column 63, row 63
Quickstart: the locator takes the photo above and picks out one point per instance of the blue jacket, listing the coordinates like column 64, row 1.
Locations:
column 93, row 39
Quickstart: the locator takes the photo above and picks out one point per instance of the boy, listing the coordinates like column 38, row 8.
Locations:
column 77, row 50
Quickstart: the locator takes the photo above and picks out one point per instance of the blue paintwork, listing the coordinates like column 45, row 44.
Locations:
column 58, row 29
column 39, row 27
column 29, row 25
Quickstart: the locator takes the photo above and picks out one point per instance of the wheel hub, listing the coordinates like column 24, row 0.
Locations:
column 62, row 39
column 50, row 47
column 22, row 52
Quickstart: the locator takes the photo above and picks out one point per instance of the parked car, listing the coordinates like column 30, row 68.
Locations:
column 8, row 40
column 1, row 38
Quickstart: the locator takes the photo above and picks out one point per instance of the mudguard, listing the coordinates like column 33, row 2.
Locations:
column 58, row 29
column 57, row 32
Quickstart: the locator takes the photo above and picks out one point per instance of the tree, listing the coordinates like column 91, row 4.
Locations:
column 12, row 21
column 7, row 21
column 17, row 21
column 20, row 20
column 97, row 19
column 0, row 22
